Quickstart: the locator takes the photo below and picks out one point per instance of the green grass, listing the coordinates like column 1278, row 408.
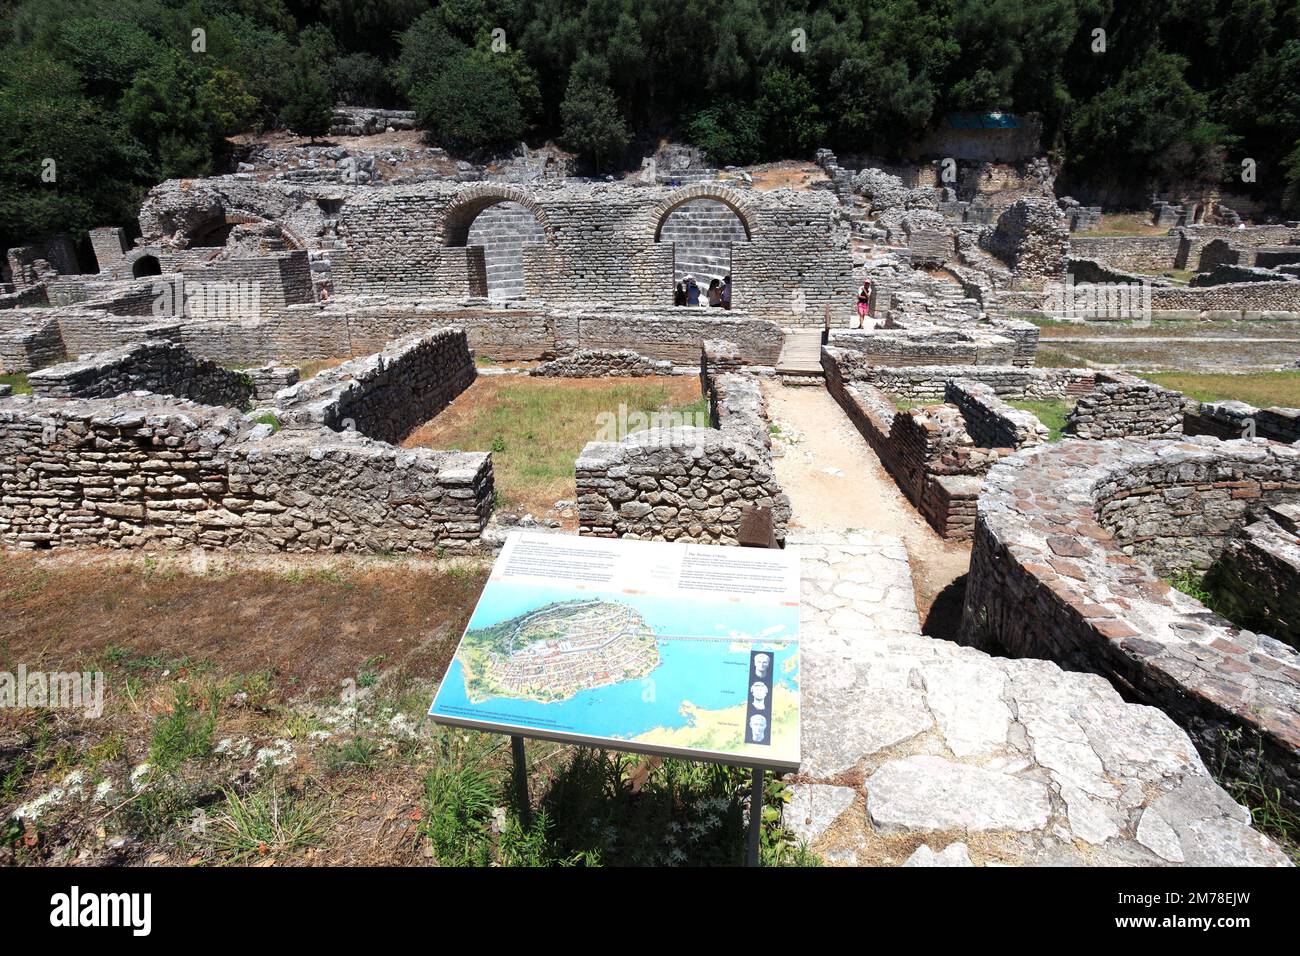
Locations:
column 904, row 404
column 184, row 734
column 597, row 808
column 1126, row 224
column 19, row 382
column 1239, row 771
column 266, row 821
column 536, row 428
column 1261, row 389
column 1051, row 413
column 1048, row 357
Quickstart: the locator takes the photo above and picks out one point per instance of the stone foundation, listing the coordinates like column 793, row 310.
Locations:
column 166, row 368
column 148, row 472
column 687, row 483
column 385, row 396
column 1122, row 405
column 1256, row 578
column 1069, row 541
column 602, row 363
column 1239, row 420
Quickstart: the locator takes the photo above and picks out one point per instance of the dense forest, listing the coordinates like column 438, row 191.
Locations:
column 120, row 96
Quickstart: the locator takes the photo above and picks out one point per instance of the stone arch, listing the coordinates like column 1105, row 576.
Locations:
column 218, row 228
column 731, row 198
column 146, row 265
column 464, row 209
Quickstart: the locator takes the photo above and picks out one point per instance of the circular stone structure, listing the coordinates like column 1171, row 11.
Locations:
column 1071, row 543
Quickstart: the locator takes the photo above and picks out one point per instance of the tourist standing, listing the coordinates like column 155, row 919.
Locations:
column 692, row 291
column 726, row 292
column 679, row 294
column 715, row 294
column 864, row 303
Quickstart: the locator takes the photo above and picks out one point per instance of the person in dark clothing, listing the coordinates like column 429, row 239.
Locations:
column 679, row 294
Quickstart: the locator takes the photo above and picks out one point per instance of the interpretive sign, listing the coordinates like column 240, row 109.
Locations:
column 683, row 650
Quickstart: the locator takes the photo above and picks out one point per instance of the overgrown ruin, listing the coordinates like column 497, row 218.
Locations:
column 167, row 411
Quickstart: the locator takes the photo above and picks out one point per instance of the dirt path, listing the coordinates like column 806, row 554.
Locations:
column 836, row 483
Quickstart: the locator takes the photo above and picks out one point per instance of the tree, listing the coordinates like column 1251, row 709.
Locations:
column 185, row 112
column 1149, row 122
column 729, row 134
column 45, row 117
column 310, row 108
column 592, row 125
column 469, row 106
column 789, row 114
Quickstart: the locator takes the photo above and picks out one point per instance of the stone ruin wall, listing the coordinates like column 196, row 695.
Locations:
column 1069, row 541
column 1255, row 577
column 926, row 345
column 990, row 421
column 602, row 363
column 1032, row 238
column 927, row 383
column 1121, row 405
column 146, row 470
column 154, row 365
column 686, row 483
column 928, row 451
column 602, row 245
column 517, row 333
column 387, row 395
column 1229, row 420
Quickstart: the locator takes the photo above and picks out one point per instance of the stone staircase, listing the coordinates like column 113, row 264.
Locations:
column 503, row 230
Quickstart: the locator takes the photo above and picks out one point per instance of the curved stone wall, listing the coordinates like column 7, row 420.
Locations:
column 1069, row 540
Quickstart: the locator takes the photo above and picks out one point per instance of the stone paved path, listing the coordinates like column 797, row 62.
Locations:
column 921, row 752
column 836, row 483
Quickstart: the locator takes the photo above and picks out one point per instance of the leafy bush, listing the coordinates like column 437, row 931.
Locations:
column 470, row 105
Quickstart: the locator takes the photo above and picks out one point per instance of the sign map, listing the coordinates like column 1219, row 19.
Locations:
column 681, row 650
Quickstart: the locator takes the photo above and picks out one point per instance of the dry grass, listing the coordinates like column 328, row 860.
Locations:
column 310, row 368
column 256, row 656
column 309, row 626
column 536, row 427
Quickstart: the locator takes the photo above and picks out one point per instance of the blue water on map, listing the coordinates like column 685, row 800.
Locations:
column 711, row 674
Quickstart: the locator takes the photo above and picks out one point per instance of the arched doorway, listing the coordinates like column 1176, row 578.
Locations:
column 503, row 229
column 704, row 225
column 146, row 266
column 502, row 221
